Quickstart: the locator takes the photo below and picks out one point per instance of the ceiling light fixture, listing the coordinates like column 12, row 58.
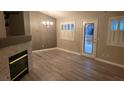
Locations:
column 47, row 23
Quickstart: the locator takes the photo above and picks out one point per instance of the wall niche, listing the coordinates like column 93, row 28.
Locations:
column 14, row 23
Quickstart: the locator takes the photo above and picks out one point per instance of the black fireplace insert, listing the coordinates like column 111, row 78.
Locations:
column 18, row 64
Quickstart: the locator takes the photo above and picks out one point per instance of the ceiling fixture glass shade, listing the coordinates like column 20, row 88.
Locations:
column 51, row 23
column 47, row 23
column 43, row 22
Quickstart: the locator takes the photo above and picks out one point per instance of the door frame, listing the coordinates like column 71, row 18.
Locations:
column 91, row 20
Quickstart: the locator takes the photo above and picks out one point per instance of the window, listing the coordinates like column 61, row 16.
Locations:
column 114, row 25
column 69, row 27
column 88, row 38
column 67, row 32
column 116, row 31
column 65, row 27
column 72, row 27
column 121, row 24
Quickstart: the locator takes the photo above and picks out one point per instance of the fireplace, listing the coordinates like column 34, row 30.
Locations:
column 18, row 65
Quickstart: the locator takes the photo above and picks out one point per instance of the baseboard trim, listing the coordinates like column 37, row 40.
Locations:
column 98, row 59
column 109, row 62
column 68, row 51
column 88, row 56
column 45, row 49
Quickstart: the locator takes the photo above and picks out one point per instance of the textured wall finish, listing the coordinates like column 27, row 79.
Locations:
column 42, row 37
column 5, row 53
column 2, row 26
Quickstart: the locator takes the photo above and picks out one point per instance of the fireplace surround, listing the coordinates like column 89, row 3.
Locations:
column 15, row 39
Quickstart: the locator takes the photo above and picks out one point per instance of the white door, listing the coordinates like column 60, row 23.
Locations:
column 89, row 40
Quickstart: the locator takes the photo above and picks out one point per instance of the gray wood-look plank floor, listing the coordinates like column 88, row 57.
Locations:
column 62, row 66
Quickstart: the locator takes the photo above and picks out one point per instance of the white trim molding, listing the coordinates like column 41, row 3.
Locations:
column 98, row 59
column 95, row 22
column 109, row 62
column 90, row 56
column 68, row 51
column 45, row 49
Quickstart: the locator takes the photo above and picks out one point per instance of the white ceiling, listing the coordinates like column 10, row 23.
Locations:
column 60, row 14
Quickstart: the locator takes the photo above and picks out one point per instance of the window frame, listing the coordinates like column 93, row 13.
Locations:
column 115, row 37
column 69, row 34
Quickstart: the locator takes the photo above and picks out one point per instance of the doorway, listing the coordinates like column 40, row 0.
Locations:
column 89, row 40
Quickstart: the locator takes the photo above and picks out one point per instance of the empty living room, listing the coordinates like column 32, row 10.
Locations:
column 61, row 45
